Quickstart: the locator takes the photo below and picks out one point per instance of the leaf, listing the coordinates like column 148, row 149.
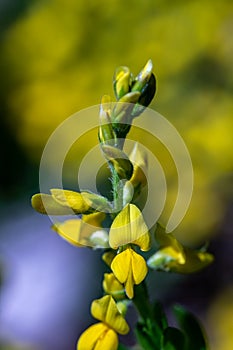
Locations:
column 192, row 329
column 145, row 337
column 159, row 315
column 173, row 339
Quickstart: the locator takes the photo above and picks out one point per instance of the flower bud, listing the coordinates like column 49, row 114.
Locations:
column 145, row 83
column 106, row 132
column 122, row 110
column 128, row 192
column 120, row 161
column 99, row 239
column 112, row 286
column 121, row 81
column 143, row 77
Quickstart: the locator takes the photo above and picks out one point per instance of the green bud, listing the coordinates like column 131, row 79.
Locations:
column 121, row 81
column 143, row 77
column 146, row 97
column 123, row 306
column 145, row 83
column 122, row 109
column 106, row 132
column 161, row 259
column 128, row 193
column 99, row 239
column 119, row 160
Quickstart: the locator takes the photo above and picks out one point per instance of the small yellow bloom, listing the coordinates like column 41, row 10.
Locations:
column 103, row 335
column 80, row 232
column 166, row 240
column 105, row 310
column 112, row 286
column 129, row 227
column 172, row 256
column 98, row 337
column 65, row 202
column 129, row 268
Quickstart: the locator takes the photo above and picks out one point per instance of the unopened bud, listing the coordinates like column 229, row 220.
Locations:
column 143, row 77
column 120, row 161
column 106, row 132
column 121, row 81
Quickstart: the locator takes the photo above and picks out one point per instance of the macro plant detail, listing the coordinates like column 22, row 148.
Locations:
column 116, row 226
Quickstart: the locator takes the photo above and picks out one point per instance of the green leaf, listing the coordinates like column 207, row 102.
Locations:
column 159, row 316
column 192, row 329
column 173, row 339
column 146, row 339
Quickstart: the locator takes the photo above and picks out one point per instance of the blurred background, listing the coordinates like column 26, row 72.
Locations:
column 58, row 57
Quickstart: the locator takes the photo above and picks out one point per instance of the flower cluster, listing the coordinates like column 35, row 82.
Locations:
column 127, row 237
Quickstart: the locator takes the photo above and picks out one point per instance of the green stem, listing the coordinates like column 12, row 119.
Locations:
column 141, row 301
column 117, row 190
column 149, row 332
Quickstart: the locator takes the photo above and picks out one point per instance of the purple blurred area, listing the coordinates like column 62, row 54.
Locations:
column 47, row 284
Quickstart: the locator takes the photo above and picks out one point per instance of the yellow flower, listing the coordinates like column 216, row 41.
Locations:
column 85, row 231
column 65, row 202
column 103, row 335
column 112, row 286
column 172, row 256
column 129, row 268
column 129, row 227
column 98, row 337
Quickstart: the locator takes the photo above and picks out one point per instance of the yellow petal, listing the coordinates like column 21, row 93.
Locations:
column 45, row 204
column 70, row 230
column 109, row 341
column 139, row 267
column 72, row 199
column 105, row 310
column 129, row 227
column 168, row 259
column 121, row 265
column 94, row 219
column 168, row 239
column 129, row 268
column 79, row 232
column 164, row 258
column 129, row 285
column 91, row 336
column 195, row 261
column 121, row 81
